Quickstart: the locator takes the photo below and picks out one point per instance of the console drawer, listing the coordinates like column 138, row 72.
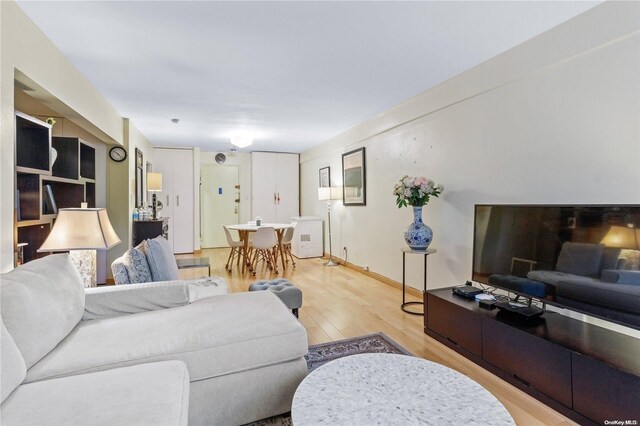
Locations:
column 601, row 392
column 533, row 361
column 455, row 323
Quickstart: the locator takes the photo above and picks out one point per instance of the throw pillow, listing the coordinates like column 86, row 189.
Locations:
column 120, row 275
column 162, row 263
column 137, row 267
column 580, row 259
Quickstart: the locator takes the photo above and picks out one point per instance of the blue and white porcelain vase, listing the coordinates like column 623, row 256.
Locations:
column 418, row 235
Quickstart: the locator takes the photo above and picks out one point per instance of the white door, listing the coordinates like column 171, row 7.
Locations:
column 219, row 202
column 288, row 204
column 176, row 166
column 183, row 208
column 263, row 186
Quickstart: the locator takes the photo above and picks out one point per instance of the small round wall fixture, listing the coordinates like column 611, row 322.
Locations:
column 118, row 154
column 220, row 158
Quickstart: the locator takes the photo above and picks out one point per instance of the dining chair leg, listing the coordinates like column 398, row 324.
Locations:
column 229, row 259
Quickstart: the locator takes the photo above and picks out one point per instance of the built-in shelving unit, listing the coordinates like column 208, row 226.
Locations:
column 44, row 185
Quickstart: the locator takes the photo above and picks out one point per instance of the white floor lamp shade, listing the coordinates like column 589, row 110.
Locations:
column 81, row 232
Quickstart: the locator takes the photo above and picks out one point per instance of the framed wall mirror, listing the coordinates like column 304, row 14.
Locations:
column 139, row 179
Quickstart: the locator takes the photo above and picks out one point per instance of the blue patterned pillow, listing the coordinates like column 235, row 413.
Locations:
column 137, row 267
column 120, row 275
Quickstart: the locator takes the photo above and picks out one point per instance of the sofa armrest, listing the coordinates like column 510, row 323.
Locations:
column 111, row 301
column 620, row 276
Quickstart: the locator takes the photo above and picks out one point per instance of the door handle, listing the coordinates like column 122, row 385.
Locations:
column 278, row 198
column 275, row 198
column 167, row 200
column 177, row 201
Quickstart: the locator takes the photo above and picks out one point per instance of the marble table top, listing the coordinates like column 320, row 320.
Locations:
column 389, row 389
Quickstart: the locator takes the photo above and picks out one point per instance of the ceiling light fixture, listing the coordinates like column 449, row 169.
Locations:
column 241, row 141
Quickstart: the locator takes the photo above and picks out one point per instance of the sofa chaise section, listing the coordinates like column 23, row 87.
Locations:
column 153, row 394
column 244, row 352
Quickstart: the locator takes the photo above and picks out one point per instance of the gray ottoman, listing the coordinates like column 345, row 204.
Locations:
column 281, row 287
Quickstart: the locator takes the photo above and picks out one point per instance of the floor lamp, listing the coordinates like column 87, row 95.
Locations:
column 81, row 232
column 330, row 194
column 154, row 185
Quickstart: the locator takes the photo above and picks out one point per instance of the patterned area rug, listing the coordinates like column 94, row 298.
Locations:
column 325, row 352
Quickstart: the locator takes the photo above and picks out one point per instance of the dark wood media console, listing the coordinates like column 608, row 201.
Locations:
column 586, row 372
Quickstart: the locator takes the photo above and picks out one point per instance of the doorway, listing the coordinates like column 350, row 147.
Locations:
column 219, row 202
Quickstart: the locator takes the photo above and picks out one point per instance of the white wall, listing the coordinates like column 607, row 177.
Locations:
column 554, row 120
column 121, row 198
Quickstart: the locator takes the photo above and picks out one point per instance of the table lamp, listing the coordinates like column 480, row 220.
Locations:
column 624, row 237
column 81, row 232
column 154, row 185
column 330, row 194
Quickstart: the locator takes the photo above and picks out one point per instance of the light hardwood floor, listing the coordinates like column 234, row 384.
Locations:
column 340, row 303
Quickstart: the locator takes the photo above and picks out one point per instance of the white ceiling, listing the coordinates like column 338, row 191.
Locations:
column 290, row 74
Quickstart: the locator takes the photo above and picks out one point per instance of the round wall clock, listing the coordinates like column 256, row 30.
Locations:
column 220, row 158
column 118, row 154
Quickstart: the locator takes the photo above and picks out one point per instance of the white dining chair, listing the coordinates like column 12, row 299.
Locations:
column 265, row 244
column 237, row 250
column 286, row 246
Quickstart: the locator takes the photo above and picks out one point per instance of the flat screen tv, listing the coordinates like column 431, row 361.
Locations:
column 582, row 257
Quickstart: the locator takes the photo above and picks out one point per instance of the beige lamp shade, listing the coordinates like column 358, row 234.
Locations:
column 332, row 193
column 154, row 182
column 624, row 237
column 81, row 229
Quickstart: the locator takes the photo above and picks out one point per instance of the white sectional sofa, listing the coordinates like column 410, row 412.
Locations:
column 142, row 353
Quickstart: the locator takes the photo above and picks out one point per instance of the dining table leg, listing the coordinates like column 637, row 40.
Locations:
column 280, row 233
column 244, row 236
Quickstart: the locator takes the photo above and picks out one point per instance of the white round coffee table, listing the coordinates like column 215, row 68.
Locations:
column 392, row 389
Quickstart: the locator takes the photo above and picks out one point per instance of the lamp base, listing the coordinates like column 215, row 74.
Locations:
column 331, row 263
column 85, row 263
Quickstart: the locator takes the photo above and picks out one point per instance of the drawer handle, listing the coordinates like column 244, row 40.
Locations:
column 521, row 380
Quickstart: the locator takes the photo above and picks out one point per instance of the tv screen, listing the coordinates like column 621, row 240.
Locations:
column 585, row 258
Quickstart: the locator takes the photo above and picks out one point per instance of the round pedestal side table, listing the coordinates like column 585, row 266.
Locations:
column 425, row 253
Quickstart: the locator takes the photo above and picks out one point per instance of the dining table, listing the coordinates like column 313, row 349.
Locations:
column 244, row 229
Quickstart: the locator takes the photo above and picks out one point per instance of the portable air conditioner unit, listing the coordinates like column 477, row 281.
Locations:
column 307, row 237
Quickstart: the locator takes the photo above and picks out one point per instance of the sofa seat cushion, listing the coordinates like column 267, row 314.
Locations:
column 214, row 336
column 155, row 394
column 620, row 297
column 554, row 277
column 41, row 302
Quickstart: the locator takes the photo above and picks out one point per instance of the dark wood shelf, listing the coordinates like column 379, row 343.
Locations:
column 87, row 161
column 67, row 164
column 33, row 143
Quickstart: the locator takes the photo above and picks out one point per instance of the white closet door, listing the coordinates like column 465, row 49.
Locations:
column 263, row 186
column 183, row 208
column 288, row 187
column 176, row 166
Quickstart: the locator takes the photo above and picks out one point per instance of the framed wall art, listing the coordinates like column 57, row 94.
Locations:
column 354, row 178
column 324, row 176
